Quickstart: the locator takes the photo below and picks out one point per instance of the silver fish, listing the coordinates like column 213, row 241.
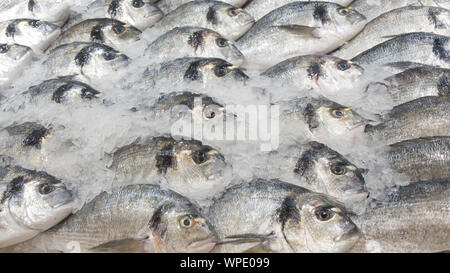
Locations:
column 13, row 58
column 422, row 159
column 423, row 117
column 396, row 22
column 425, row 48
column 38, row 35
column 229, row 21
column 183, row 42
column 105, row 31
column 318, row 27
column 135, row 218
column 169, row 5
column 53, row 11
column 31, row 202
column 285, row 217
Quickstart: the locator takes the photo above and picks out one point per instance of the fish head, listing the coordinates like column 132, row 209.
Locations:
column 338, row 74
column 72, row 91
column 211, row 71
column 38, row 200
column 180, row 228
column 39, row 33
column 139, row 13
column 216, row 45
column 326, row 226
column 230, row 21
column 14, row 55
column 346, row 22
column 121, row 34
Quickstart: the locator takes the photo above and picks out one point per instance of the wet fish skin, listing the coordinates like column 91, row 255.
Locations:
column 36, row 34
column 109, row 32
column 285, row 217
column 415, row 219
column 182, row 42
column 169, row 5
column 223, row 18
column 148, row 217
column 425, row 48
column 53, row 11
column 422, row 159
column 326, row 74
column 31, row 202
column 13, row 58
column 423, row 117
column 396, row 22
column 319, row 27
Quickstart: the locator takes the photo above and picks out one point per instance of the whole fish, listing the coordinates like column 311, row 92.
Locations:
column 302, row 28
column 168, row 5
column 374, row 8
column 415, row 219
column 328, row 75
column 197, row 72
column 183, row 42
column 229, row 21
column 285, row 217
column 318, row 168
column 84, row 60
column 185, row 162
column 423, row 117
column 104, row 31
column 38, row 35
column 425, row 48
column 135, row 218
column 396, row 22
column 259, row 8
column 422, row 159
column 138, row 13
column 53, row 11
column 13, row 58
column 31, row 202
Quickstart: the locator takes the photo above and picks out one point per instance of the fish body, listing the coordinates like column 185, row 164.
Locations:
column 169, row 5
column 53, row 11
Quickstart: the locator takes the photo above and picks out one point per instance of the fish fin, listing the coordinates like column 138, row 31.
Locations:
column 251, row 236
column 412, row 142
column 309, row 32
column 389, row 36
column 120, row 246
column 257, row 249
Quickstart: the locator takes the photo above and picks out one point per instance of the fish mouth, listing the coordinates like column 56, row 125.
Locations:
column 203, row 246
column 351, row 236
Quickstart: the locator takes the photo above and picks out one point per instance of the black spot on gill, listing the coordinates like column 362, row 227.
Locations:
column 303, row 163
column 211, row 16
column 156, row 223
column 193, row 72
column 432, row 16
column 58, row 95
column 97, row 34
column 288, row 212
column 11, row 30
column 114, row 7
column 439, row 49
column 35, row 137
column 164, row 159
column 13, row 187
column 196, row 39
column 321, row 14
column 444, row 86
column 314, row 71
column 83, row 56
column 31, row 5
column 310, row 116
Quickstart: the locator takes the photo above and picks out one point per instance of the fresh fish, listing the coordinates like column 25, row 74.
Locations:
column 328, row 75
column 135, row 218
column 169, row 5
column 85, row 60
column 13, row 58
column 229, row 21
column 31, row 202
column 104, row 31
column 38, row 35
column 425, row 48
column 415, row 219
column 259, row 8
column 424, row 117
column 318, row 168
column 396, row 22
column 422, row 159
column 53, row 11
column 374, row 8
column 299, row 28
column 193, row 42
column 285, row 217
column 197, row 72
column 185, row 162
column 138, row 13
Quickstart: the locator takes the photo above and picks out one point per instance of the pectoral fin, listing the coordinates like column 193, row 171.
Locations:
column 121, row 246
column 308, row 32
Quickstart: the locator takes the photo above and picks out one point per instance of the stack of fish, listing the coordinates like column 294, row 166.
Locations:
column 87, row 97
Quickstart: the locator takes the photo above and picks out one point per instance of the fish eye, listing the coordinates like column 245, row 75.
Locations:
column 324, row 214
column 221, row 71
column 199, row 157
column 233, row 12
column 118, row 29
column 210, row 114
column 338, row 113
column 186, row 222
column 34, row 23
column 343, row 65
column 344, row 11
column 46, row 189
column 4, row 48
column 138, row 3
column 109, row 55
column 338, row 170
column 221, row 42
column 87, row 94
